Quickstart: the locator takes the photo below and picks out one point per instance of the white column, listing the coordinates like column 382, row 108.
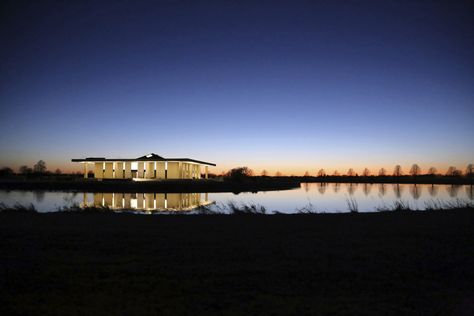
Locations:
column 85, row 170
column 205, row 171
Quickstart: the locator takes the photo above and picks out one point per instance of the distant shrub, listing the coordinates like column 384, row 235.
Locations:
column 239, row 174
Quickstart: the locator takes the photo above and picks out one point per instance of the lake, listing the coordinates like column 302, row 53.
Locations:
column 314, row 197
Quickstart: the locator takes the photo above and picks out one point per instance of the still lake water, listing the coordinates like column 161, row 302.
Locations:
column 316, row 197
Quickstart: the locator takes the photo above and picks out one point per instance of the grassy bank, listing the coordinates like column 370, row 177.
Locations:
column 391, row 263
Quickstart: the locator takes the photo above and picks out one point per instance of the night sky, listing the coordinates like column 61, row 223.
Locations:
column 289, row 86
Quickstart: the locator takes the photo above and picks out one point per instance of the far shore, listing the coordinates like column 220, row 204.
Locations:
column 251, row 184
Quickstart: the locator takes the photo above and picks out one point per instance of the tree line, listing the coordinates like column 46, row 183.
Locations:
column 38, row 169
column 414, row 171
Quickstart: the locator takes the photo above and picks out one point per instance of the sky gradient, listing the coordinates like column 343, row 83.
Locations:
column 289, row 86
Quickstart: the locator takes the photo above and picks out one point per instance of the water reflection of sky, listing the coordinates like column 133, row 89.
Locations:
column 320, row 197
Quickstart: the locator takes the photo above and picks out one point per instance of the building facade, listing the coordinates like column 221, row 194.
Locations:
column 148, row 167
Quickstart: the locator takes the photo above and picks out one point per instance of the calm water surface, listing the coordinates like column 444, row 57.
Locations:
column 315, row 197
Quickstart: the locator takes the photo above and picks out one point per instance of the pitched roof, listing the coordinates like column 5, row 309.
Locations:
column 149, row 157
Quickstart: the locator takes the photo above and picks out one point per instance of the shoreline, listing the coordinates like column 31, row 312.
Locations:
column 253, row 184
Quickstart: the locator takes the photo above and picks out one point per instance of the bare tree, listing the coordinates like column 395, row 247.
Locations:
column 470, row 170
column 351, row 172
column 40, row 167
column 452, row 171
column 366, row 172
column 336, row 173
column 382, row 172
column 278, row 174
column 57, row 171
column 306, row 174
column 432, row 171
column 264, row 173
column 415, row 170
column 321, row 173
column 397, row 171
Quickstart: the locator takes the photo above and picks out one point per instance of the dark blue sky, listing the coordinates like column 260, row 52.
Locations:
column 289, row 86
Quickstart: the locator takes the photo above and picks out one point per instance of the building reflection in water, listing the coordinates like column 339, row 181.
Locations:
column 148, row 202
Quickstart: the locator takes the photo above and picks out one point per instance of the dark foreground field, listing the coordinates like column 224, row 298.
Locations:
column 391, row 263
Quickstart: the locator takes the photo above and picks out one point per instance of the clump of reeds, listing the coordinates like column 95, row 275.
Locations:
column 307, row 209
column 245, row 209
column 18, row 208
column 352, row 205
column 85, row 209
column 437, row 205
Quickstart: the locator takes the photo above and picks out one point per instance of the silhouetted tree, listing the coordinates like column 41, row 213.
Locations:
column 452, row 171
column 351, row 172
column 397, row 171
column 306, row 174
column 470, row 170
column 382, row 172
column 415, row 170
column 24, row 170
column 239, row 174
column 321, row 173
column 432, row 171
column 57, row 172
column 6, row 171
column 278, row 174
column 264, row 173
column 40, row 167
column 366, row 172
column 336, row 173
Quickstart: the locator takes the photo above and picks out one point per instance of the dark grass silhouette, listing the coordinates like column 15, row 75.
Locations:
column 394, row 263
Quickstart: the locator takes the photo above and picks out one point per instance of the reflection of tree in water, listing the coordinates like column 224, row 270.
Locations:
column 470, row 192
column 306, row 186
column 39, row 195
column 351, row 188
column 336, row 187
column 382, row 189
column 398, row 190
column 453, row 190
column 322, row 187
column 433, row 190
column 415, row 191
column 367, row 188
